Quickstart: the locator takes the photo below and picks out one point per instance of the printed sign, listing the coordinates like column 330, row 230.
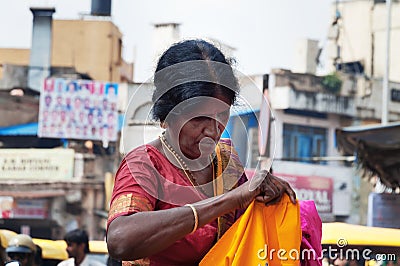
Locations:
column 23, row 208
column 78, row 109
column 318, row 189
column 384, row 210
column 36, row 164
column 31, row 209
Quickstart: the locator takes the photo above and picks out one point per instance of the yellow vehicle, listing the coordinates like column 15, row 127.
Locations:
column 361, row 243
column 53, row 251
column 5, row 236
column 98, row 250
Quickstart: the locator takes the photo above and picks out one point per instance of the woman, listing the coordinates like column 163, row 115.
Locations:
column 174, row 197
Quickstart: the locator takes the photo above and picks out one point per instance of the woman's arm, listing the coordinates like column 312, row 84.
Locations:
column 146, row 233
column 143, row 234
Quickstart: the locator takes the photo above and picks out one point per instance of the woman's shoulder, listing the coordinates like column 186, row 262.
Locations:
column 143, row 153
column 142, row 149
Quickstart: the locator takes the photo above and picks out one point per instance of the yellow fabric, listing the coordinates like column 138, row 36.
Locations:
column 259, row 235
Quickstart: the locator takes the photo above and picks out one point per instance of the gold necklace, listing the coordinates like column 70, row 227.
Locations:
column 183, row 165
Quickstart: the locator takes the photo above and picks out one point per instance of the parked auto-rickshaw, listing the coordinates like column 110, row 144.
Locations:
column 361, row 244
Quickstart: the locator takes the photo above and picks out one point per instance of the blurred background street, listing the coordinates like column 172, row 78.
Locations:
column 75, row 96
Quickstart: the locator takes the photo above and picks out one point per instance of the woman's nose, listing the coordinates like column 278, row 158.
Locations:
column 212, row 129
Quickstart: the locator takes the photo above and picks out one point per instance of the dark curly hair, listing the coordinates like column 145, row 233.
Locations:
column 78, row 236
column 189, row 69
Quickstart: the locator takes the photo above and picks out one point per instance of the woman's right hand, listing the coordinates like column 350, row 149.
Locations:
column 263, row 187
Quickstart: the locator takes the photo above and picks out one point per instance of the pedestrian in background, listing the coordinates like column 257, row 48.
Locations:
column 77, row 249
column 22, row 249
column 38, row 260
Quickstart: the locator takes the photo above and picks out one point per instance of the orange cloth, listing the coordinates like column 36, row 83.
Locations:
column 264, row 235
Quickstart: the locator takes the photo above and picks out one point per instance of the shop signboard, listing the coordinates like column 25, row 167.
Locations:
column 316, row 188
column 31, row 209
column 11, row 208
column 384, row 210
column 36, row 164
column 78, row 109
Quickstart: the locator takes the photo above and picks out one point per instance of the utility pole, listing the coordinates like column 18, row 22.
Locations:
column 385, row 89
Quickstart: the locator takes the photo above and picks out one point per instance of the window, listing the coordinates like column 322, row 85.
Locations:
column 300, row 143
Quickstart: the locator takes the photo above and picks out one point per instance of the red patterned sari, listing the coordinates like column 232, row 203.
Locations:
column 147, row 181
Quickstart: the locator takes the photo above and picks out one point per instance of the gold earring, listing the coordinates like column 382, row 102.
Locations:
column 163, row 125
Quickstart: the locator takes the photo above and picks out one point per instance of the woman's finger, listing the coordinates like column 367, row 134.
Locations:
column 286, row 188
column 269, row 188
column 257, row 180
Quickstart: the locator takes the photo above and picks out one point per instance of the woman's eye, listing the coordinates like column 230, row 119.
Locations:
column 224, row 115
column 201, row 118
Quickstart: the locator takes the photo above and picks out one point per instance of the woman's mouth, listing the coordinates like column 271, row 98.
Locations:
column 207, row 145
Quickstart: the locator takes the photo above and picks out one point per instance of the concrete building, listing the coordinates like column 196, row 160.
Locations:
column 164, row 34
column 358, row 34
column 302, row 147
column 91, row 45
column 49, row 185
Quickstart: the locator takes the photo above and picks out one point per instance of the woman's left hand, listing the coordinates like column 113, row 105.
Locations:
column 273, row 188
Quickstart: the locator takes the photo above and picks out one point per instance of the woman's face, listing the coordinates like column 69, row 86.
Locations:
column 200, row 125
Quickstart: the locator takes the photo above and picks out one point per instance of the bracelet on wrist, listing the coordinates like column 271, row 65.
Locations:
column 196, row 217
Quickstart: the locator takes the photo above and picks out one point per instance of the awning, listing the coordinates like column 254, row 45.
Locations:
column 377, row 148
column 31, row 129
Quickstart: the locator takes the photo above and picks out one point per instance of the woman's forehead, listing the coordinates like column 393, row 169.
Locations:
column 203, row 105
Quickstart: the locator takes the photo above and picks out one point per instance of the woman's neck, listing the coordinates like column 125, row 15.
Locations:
column 193, row 164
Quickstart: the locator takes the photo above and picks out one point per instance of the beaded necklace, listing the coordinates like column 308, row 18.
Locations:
column 184, row 166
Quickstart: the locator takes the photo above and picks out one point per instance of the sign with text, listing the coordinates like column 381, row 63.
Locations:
column 384, row 210
column 318, row 189
column 36, row 164
column 78, row 109
column 31, row 209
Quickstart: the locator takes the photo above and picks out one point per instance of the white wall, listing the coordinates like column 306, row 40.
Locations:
column 379, row 25
column 305, row 56
column 363, row 36
column 163, row 36
column 138, row 128
column 251, row 88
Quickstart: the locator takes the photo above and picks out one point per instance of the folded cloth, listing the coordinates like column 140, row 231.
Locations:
column 311, row 227
column 264, row 235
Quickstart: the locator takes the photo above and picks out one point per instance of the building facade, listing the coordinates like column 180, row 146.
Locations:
column 91, row 46
column 301, row 146
column 358, row 33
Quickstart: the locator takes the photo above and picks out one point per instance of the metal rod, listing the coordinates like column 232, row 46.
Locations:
column 385, row 89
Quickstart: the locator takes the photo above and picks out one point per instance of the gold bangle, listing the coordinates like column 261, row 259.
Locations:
column 196, row 217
